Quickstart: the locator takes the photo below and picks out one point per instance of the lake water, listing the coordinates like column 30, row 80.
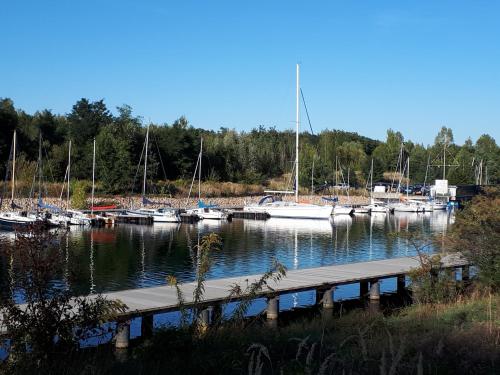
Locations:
column 133, row 256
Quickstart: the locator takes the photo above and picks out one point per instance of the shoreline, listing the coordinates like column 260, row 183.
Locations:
column 159, row 201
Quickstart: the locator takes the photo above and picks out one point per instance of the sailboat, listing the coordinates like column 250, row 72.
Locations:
column 274, row 207
column 204, row 211
column 11, row 219
column 159, row 215
column 408, row 205
column 375, row 206
column 72, row 217
column 341, row 209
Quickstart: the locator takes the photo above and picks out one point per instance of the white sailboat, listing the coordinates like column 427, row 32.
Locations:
column 375, row 206
column 11, row 219
column 277, row 208
column 204, row 211
column 159, row 215
column 408, row 205
column 341, row 209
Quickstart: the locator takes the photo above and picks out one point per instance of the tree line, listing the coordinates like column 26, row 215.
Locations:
column 229, row 155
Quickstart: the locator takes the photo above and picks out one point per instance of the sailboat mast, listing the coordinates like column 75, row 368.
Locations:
column 199, row 170
column 93, row 181
column 371, row 180
column 297, row 136
column 145, row 163
column 444, row 157
column 13, row 167
column 69, row 169
column 40, row 165
column 407, row 177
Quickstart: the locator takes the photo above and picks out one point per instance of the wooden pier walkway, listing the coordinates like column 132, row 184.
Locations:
column 146, row 302
column 164, row 298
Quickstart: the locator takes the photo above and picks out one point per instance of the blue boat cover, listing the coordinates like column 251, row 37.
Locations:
column 47, row 206
column 334, row 199
column 201, row 204
column 271, row 198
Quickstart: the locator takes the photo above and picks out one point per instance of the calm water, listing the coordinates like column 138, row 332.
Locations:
column 131, row 256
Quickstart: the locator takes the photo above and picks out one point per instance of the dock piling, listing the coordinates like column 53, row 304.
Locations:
column 122, row 337
column 328, row 298
column 374, row 290
column 273, row 308
column 453, row 274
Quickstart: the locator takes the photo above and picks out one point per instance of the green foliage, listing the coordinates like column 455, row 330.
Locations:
column 476, row 234
column 51, row 323
column 254, row 157
column 244, row 294
column 79, row 194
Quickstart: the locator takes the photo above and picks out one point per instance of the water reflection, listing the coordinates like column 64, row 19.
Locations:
column 129, row 256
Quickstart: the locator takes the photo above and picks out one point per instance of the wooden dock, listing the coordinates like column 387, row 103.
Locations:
column 146, row 302
column 164, row 298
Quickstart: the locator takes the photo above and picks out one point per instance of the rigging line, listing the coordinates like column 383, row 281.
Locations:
column 161, row 160
column 307, row 112
column 7, row 173
column 49, row 164
column 137, row 170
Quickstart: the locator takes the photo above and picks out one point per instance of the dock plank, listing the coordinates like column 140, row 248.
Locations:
column 164, row 298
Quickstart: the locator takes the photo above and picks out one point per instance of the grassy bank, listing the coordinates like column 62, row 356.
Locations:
column 462, row 337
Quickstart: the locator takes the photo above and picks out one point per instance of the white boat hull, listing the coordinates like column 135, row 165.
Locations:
column 169, row 216
column 292, row 210
column 208, row 213
column 362, row 210
column 401, row 207
column 342, row 210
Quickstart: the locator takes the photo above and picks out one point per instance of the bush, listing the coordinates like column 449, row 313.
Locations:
column 476, row 234
column 51, row 323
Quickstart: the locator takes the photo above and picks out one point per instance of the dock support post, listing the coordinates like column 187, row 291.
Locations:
column 453, row 274
column 401, row 283
column 273, row 308
column 374, row 290
column 465, row 273
column 203, row 319
column 363, row 289
column 328, row 299
column 122, row 337
column 374, row 297
column 147, row 326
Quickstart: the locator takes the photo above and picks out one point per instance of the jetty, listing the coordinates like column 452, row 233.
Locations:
column 146, row 302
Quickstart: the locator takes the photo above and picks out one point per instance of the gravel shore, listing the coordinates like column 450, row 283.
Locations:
column 226, row 202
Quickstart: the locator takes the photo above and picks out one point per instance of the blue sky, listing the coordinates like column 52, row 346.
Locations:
column 366, row 66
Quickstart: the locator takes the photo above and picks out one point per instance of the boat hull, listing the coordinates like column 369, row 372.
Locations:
column 343, row 210
column 293, row 210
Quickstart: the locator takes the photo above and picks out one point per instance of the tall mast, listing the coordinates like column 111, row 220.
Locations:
column 145, row 163
column 13, row 167
column 93, row 181
column 407, row 177
column 40, row 166
column 371, row 180
column 312, row 177
column 199, row 170
column 297, row 137
column 69, row 169
column 444, row 157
